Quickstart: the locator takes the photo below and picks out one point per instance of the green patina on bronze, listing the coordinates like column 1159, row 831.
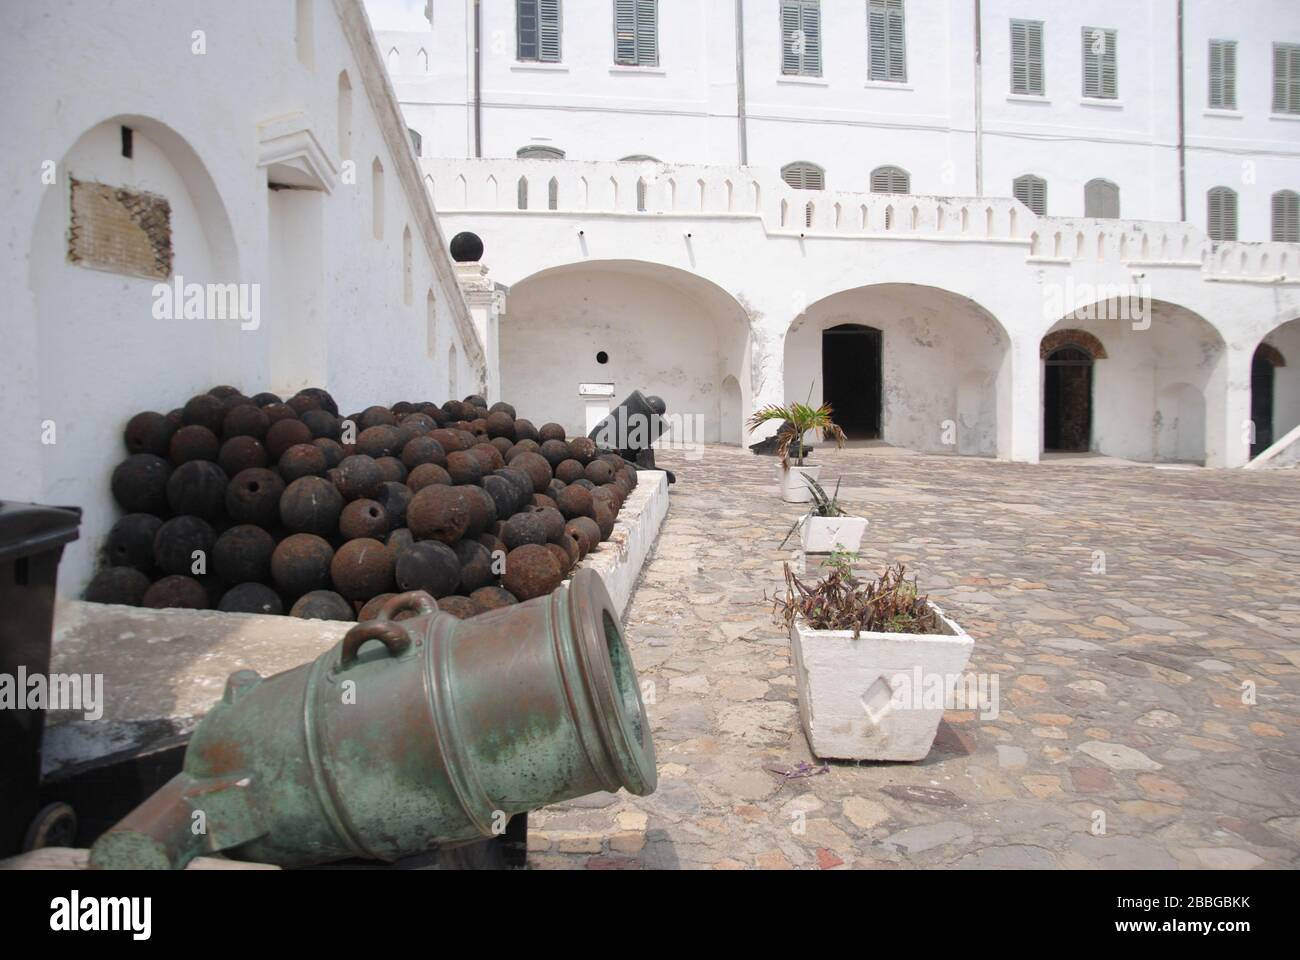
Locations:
column 428, row 731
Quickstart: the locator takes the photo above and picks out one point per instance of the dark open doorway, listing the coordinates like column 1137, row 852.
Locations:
column 1067, row 400
column 1261, row 400
column 851, row 378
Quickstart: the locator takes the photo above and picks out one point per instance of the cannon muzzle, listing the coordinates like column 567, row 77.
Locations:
column 407, row 735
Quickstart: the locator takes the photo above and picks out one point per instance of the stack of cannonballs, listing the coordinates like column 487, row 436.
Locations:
column 256, row 505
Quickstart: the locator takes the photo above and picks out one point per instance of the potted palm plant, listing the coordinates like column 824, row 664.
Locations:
column 827, row 527
column 796, row 420
column 876, row 663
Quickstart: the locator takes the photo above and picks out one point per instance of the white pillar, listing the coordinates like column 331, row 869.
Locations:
column 487, row 305
column 766, row 379
column 1020, row 404
column 1227, row 408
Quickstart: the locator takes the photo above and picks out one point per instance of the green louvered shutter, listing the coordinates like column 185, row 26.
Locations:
column 549, row 30
column 801, row 38
column 1223, row 74
column 886, row 41
column 1027, row 57
column 1221, row 218
column 1032, row 192
column 1286, row 216
column 1100, row 63
column 1286, row 78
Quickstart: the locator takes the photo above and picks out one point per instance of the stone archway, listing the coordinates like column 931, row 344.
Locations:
column 639, row 326
column 942, row 376
column 1068, row 357
column 1275, row 387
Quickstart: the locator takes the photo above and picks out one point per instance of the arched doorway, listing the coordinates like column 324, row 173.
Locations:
column 851, row 378
column 1261, row 399
column 1067, row 399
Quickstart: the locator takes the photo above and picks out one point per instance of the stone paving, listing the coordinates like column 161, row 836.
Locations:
column 1149, row 715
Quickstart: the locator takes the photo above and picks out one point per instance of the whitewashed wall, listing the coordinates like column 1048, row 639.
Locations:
column 82, row 349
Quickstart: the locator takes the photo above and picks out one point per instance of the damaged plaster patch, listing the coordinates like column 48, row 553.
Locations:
column 120, row 230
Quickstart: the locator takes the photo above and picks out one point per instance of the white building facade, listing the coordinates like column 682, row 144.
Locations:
column 909, row 208
column 250, row 145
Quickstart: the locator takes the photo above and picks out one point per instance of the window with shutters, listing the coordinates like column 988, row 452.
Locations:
column 1032, row 192
column 1027, row 57
column 1286, row 78
column 535, row 152
column 801, row 38
column 1221, row 218
column 890, row 180
column 636, row 33
column 886, row 41
column 1100, row 64
column 1223, row 74
column 1101, row 199
column 803, row 175
column 1286, row 216
column 537, row 30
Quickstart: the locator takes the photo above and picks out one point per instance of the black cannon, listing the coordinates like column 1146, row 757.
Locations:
column 631, row 430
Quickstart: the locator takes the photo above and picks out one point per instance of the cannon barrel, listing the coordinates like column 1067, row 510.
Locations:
column 407, row 735
column 634, row 425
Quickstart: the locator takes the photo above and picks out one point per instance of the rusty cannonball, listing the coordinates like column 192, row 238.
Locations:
column 502, row 446
column 182, row 542
column 311, row 505
column 522, row 483
column 370, row 610
column 176, row 592
column 604, row 518
column 543, row 500
column 598, row 472
column 524, row 430
column 302, row 460
column 422, row 450
column 322, row 605
column 322, row 397
column 553, row 520
column 253, row 496
column 528, row 527
column 587, row 531
column 197, row 487
column 381, row 440
column 430, row 566
column 301, row 564
column 500, row 424
column 504, row 494
column 392, row 469
column 492, row 542
column 265, row 399
column 242, row 554
column 359, row 477
column 124, row 585
column 300, row 403
column 582, row 450
column 241, row 453
column 376, row 416
column 149, row 432
column 538, row 470
column 611, row 495
column 130, row 541
column 575, row 502
column 224, row 390
column 489, row 457
column 193, row 443
column 462, row 608
column 531, row 571
column 363, row 518
column 456, row 410
column 522, row 446
column 561, row 556
column 476, row 400
column 475, row 565
column 438, row 512
column 362, row 568
column 322, row 424
column 570, row 470
column 492, row 598
column 482, row 510
column 463, row 467
column 204, row 410
column 427, row 474
column 502, row 406
column 245, row 420
column 448, row 439
column 394, row 498
column 332, row 449
column 139, row 483
column 284, row 434
column 251, row 598
column 571, row 547
column 554, row 452
column 275, row 412
column 551, row 431
column 478, row 427
column 553, row 491
column 584, row 483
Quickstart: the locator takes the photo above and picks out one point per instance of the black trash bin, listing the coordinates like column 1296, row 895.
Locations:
column 32, row 538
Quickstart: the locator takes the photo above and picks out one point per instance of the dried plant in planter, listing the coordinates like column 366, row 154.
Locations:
column 842, row 601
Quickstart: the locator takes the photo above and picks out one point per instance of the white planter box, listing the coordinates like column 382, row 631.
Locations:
column 793, row 487
column 827, row 534
column 864, row 699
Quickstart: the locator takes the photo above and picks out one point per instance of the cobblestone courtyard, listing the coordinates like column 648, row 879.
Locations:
column 1121, row 692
